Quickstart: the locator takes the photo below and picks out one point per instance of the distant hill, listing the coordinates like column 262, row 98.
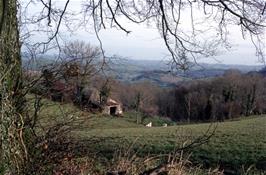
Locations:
column 155, row 71
column 36, row 64
column 159, row 72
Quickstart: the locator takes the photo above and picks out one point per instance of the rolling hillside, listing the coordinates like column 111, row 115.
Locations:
column 157, row 72
column 234, row 146
column 160, row 73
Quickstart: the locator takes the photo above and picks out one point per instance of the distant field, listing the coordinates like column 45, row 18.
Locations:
column 235, row 144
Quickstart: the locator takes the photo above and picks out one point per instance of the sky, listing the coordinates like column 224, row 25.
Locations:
column 145, row 43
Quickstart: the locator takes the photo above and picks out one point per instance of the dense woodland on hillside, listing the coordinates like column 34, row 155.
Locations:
column 219, row 98
column 226, row 97
column 232, row 95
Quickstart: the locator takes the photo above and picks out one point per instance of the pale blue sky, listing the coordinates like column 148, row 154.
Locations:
column 146, row 43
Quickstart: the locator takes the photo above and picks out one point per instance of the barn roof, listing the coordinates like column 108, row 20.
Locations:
column 111, row 102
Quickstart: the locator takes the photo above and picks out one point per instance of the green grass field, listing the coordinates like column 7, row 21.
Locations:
column 235, row 144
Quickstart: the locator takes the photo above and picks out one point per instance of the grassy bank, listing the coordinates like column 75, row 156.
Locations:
column 235, row 145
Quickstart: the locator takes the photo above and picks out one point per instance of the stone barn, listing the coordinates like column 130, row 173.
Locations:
column 91, row 99
column 112, row 107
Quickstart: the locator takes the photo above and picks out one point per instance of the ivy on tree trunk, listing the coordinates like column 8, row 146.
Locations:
column 12, row 102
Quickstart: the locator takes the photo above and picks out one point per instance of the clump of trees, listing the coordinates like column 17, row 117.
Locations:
column 140, row 97
column 230, row 96
column 227, row 97
column 65, row 79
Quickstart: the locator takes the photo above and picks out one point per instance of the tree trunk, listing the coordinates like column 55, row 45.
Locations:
column 13, row 152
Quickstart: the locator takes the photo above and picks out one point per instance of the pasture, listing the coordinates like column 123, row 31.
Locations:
column 235, row 145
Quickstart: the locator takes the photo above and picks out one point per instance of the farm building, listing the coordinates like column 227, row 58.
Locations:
column 91, row 98
column 112, row 107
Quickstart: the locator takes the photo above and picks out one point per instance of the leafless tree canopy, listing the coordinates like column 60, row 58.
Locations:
column 79, row 50
column 198, row 27
column 80, row 62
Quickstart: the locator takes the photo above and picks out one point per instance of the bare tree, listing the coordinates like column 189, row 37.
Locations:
column 194, row 28
column 197, row 27
column 80, row 61
column 216, row 18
